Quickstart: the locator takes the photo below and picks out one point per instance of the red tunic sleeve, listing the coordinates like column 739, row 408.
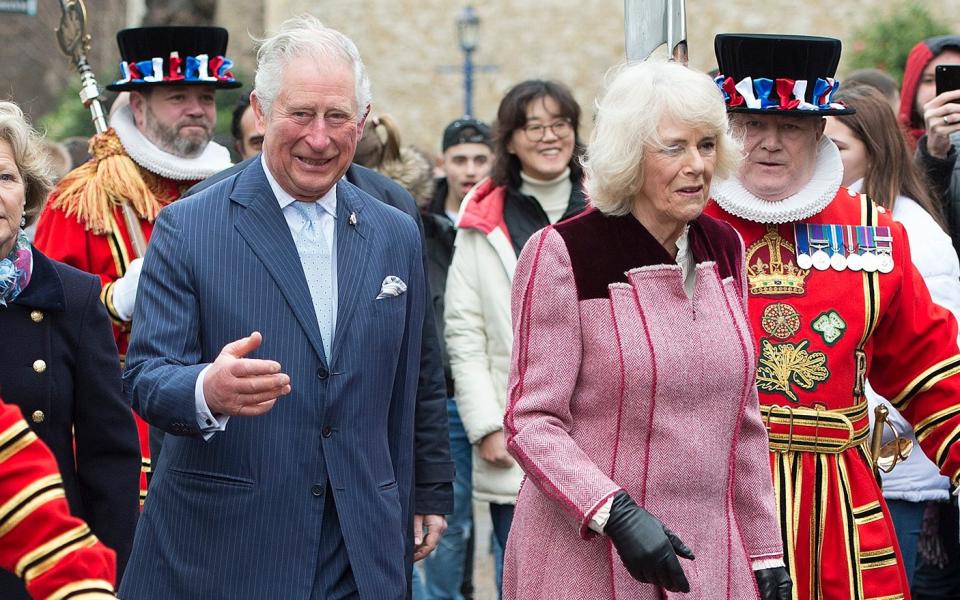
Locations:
column 916, row 362
column 55, row 553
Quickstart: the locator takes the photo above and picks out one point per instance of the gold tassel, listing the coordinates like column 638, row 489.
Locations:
column 91, row 191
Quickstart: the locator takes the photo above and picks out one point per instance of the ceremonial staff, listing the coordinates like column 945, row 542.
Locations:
column 651, row 23
column 75, row 43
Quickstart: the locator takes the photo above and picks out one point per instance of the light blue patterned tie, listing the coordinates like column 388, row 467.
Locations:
column 317, row 260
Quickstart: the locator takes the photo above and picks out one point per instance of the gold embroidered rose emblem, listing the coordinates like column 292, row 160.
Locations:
column 780, row 320
column 785, row 365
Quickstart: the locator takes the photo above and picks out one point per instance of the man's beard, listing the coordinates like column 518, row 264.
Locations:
column 168, row 138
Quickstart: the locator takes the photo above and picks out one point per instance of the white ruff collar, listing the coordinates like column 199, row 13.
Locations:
column 814, row 197
column 215, row 158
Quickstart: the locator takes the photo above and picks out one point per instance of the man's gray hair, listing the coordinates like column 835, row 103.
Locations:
column 306, row 38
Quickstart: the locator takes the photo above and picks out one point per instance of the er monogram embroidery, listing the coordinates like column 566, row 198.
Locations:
column 830, row 326
column 783, row 366
column 780, row 320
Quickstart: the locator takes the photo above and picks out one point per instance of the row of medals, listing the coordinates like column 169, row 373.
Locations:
column 871, row 260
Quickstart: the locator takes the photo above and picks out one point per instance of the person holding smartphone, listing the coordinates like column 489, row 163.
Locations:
column 931, row 117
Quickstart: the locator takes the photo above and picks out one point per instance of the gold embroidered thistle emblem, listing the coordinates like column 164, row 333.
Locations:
column 780, row 320
column 771, row 270
column 785, row 365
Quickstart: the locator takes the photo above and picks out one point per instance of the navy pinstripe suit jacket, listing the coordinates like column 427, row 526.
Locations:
column 238, row 516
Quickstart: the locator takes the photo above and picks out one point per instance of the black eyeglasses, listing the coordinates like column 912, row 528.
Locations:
column 536, row 132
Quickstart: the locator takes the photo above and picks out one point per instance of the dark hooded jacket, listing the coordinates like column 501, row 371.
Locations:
column 943, row 173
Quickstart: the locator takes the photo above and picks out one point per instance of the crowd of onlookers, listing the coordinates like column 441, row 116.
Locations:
column 496, row 185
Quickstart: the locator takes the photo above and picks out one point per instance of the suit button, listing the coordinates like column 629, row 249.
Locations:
column 36, row 315
column 327, row 432
column 39, row 366
column 317, row 490
column 38, row 416
column 322, row 373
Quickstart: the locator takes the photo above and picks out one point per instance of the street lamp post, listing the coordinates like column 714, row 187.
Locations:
column 468, row 34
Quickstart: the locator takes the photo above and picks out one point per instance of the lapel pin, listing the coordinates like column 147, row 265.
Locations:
column 352, row 220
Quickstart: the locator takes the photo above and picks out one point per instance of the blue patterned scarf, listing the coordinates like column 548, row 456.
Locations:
column 15, row 270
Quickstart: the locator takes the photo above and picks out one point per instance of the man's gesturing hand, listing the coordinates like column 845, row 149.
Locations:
column 244, row 387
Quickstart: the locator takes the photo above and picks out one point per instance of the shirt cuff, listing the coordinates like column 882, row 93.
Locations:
column 208, row 422
column 600, row 518
column 766, row 563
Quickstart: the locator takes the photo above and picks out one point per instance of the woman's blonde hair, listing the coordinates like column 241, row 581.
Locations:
column 637, row 99
column 28, row 152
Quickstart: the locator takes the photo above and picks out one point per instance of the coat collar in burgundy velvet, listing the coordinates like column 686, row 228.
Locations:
column 603, row 248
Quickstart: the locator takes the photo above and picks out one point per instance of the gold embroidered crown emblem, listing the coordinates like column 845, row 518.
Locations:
column 770, row 267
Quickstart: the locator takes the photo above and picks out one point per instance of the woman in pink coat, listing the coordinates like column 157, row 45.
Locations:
column 632, row 404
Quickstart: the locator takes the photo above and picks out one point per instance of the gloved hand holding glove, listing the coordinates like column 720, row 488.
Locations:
column 125, row 290
column 774, row 584
column 647, row 548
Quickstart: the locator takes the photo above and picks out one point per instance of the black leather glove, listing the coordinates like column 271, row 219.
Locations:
column 647, row 548
column 774, row 584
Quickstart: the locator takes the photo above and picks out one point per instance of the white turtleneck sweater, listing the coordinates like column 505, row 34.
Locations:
column 553, row 195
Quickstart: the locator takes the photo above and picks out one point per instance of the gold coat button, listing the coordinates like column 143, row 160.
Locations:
column 37, row 416
column 39, row 366
column 37, row 316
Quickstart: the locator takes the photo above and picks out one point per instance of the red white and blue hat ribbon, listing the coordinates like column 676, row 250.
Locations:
column 779, row 94
column 200, row 68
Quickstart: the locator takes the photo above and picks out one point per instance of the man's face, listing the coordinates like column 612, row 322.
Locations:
column 177, row 119
column 251, row 136
column 464, row 165
column 927, row 89
column 781, row 153
column 312, row 131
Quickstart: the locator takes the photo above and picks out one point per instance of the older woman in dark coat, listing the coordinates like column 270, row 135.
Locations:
column 58, row 362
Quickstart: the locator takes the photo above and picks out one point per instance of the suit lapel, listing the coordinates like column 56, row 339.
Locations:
column 265, row 230
column 353, row 254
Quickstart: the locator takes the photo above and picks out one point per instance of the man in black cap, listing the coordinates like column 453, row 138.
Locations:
column 157, row 146
column 467, row 159
column 834, row 299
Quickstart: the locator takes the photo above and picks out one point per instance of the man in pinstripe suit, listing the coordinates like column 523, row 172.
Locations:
column 305, row 492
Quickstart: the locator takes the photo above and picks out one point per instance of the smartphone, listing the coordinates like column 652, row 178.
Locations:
column 948, row 78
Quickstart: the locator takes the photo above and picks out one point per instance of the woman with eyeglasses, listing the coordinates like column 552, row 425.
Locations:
column 536, row 181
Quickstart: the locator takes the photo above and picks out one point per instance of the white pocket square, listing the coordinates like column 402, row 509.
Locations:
column 391, row 287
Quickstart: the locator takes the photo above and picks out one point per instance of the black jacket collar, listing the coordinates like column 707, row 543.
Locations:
column 45, row 289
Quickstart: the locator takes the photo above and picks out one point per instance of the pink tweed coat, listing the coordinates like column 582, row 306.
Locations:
column 618, row 381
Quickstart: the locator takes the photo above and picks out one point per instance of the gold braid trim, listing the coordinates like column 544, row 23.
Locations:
column 91, row 191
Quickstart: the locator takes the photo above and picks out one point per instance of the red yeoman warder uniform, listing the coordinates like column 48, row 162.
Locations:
column 834, row 300
column 819, row 335
column 83, row 225
column 55, row 553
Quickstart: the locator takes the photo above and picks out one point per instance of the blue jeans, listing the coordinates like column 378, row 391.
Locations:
column 907, row 521
column 443, row 568
column 502, row 517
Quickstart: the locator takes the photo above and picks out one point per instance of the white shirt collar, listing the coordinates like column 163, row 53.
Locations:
column 212, row 160
column 328, row 202
column 814, row 197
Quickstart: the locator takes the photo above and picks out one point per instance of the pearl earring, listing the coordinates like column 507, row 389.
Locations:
column 23, row 222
